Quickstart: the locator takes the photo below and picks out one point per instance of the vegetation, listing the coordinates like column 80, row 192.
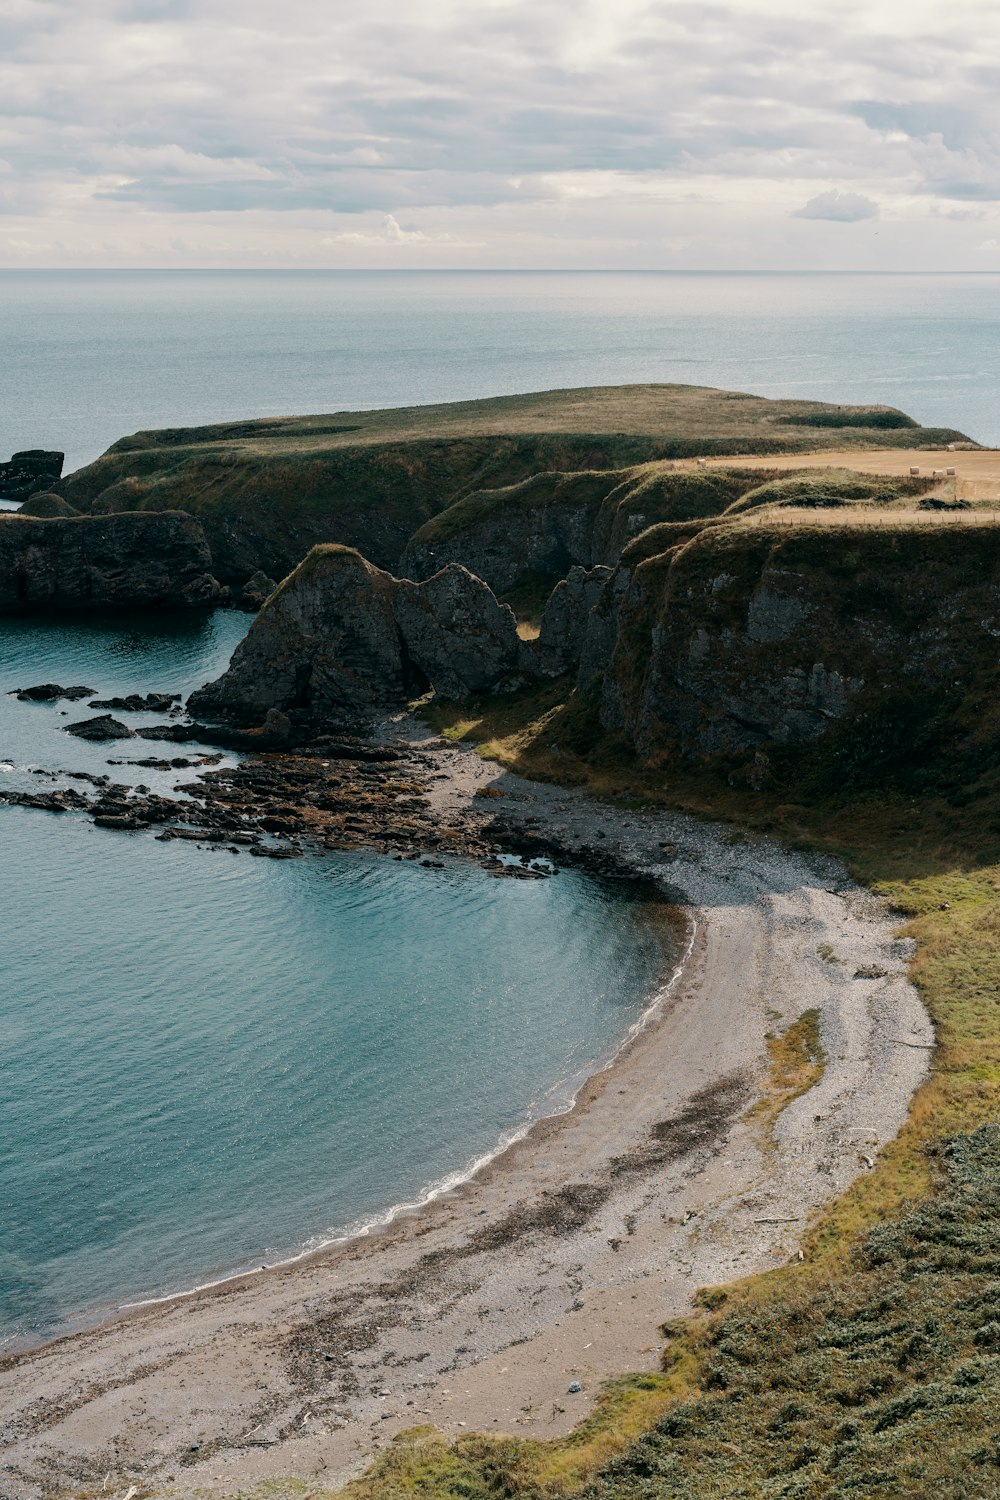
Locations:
column 831, row 487
column 266, row 491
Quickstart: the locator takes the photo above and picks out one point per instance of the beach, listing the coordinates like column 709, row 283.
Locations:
column 559, row 1261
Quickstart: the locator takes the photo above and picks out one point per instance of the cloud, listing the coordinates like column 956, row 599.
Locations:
column 465, row 114
column 391, row 233
column 838, row 207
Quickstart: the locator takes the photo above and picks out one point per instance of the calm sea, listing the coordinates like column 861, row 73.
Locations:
column 208, row 1061
column 86, row 357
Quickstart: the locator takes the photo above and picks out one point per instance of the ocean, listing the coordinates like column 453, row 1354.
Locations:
column 90, row 356
column 212, row 1061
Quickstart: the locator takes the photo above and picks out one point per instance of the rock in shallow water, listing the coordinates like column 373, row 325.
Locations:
column 50, row 692
column 103, row 727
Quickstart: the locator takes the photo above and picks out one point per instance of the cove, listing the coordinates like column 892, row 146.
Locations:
column 210, row 1062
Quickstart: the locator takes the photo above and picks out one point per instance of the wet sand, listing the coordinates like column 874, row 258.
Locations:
column 560, row 1260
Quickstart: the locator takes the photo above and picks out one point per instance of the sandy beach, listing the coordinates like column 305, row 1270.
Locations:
column 560, row 1260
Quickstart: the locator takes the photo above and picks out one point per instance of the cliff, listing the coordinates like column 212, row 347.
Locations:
column 875, row 637
column 267, row 491
column 134, row 561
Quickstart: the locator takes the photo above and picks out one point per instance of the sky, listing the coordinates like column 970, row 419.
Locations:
column 758, row 134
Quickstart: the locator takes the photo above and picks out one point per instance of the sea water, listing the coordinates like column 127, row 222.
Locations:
column 86, row 357
column 210, row 1061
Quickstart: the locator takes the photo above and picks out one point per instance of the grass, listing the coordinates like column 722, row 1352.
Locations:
column 796, row 1063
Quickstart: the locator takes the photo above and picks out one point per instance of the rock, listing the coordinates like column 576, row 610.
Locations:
column 327, row 642
column 255, row 592
column 458, row 634
column 47, row 505
column 49, row 692
column 134, row 560
column 104, row 727
column 133, row 703
column 563, row 632
column 30, row 470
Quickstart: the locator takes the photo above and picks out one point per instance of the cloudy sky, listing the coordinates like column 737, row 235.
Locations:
column 590, row 133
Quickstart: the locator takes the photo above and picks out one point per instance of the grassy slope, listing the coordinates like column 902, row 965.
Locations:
column 266, row 491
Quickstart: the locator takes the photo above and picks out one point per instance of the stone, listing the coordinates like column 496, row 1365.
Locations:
column 104, row 727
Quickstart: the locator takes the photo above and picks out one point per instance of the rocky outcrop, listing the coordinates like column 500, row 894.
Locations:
column 133, row 561
column 326, row 644
column 30, row 470
column 341, row 641
column 768, row 636
column 455, row 631
column 565, row 621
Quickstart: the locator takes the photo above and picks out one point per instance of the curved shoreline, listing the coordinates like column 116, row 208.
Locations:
column 564, row 1252
column 436, row 1190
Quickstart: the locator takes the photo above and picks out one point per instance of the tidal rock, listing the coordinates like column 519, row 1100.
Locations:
column 457, row 633
column 50, row 692
column 30, row 470
column 141, row 559
column 104, row 727
column 135, row 703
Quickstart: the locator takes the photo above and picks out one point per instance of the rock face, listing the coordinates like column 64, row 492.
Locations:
column 455, row 631
column 565, row 622
column 30, row 470
column 763, row 636
column 135, row 561
column 326, row 643
column 341, row 641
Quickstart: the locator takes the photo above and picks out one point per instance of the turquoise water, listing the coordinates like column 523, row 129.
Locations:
column 90, row 356
column 210, row 1061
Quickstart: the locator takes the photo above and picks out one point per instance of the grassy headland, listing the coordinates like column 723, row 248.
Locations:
column 266, row 491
